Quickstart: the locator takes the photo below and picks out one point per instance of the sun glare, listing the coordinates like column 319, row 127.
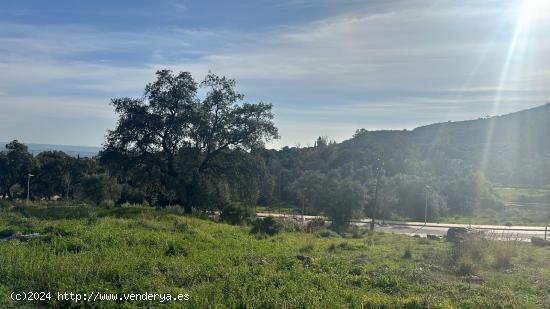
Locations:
column 535, row 9
column 530, row 16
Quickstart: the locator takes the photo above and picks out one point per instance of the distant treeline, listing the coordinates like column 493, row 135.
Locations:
column 176, row 147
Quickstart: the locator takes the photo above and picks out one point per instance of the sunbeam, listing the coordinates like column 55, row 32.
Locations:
column 529, row 13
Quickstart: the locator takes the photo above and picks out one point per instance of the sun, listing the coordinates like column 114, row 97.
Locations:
column 534, row 10
column 531, row 17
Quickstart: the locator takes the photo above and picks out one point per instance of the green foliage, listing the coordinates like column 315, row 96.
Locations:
column 179, row 140
column 268, row 226
column 15, row 165
column 328, row 233
column 466, row 266
column 339, row 198
column 221, row 266
column 100, row 189
column 408, row 253
column 290, row 225
column 315, row 225
column 503, row 255
column 236, row 214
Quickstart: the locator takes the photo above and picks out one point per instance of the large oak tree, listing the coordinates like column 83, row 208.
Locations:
column 178, row 135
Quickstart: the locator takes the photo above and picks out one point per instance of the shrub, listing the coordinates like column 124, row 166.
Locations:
column 315, row 225
column 468, row 255
column 175, row 249
column 408, row 253
column 107, row 204
column 99, row 188
column 290, row 225
column 131, row 195
column 6, row 233
column 4, row 204
column 357, row 232
column 345, row 246
column 475, row 249
column 503, row 254
column 465, row 266
column 307, row 248
column 267, row 225
column 236, row 214
column 328, row 233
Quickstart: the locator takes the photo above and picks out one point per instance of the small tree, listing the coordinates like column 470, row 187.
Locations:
column 340, row 199
column 99, row 188
column 19, row 163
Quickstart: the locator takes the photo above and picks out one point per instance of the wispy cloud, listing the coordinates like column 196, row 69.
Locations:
column 390, row 64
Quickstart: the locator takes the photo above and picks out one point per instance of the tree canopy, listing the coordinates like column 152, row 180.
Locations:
column 177, row 134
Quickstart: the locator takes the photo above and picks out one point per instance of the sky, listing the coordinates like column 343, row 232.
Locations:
column 329, row 67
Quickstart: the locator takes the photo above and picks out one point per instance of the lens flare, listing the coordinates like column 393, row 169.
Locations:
column 529, row 15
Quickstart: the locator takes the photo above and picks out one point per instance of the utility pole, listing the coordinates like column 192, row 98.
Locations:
column 29, row 186
column 374, row 204
column 303, row 211
column 426, row 207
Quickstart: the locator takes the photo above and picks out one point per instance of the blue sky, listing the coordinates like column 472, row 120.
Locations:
column 328, row 66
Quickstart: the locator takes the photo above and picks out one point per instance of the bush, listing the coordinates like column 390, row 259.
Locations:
column 290, row 225
column 357, row 232
column 503, row 254
column 131, row 195
column 465, row 266
column 99, row 188
column 328, row 233
column 236, row 214
column 315, row 225
column 408, row 253
column 474, row 249
column 267, row 225
column 468, row 255
column 107, row 204
column 175, row 249
column 4, row 204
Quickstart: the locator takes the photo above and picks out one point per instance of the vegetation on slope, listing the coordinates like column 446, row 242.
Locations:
column 136, row 249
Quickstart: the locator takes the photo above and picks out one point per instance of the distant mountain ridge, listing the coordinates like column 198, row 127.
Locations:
column 511, row 149
column 82, row 151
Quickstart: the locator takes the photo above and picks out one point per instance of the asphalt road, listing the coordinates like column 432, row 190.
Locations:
column 498, row 232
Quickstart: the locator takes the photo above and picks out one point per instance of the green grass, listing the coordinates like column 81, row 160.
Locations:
column 140, row 250
column 522, row 195
column 513, row 216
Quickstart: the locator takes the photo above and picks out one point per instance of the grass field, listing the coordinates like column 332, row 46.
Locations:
column 125, row 250
column 512, row 216
column 523, row 195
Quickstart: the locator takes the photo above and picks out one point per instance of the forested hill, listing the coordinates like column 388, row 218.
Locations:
column 511, row 149
column 527, row 129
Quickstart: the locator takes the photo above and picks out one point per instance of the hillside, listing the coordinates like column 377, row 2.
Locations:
column 512, row 149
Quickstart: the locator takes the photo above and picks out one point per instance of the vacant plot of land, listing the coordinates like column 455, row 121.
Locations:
column 139, row 250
